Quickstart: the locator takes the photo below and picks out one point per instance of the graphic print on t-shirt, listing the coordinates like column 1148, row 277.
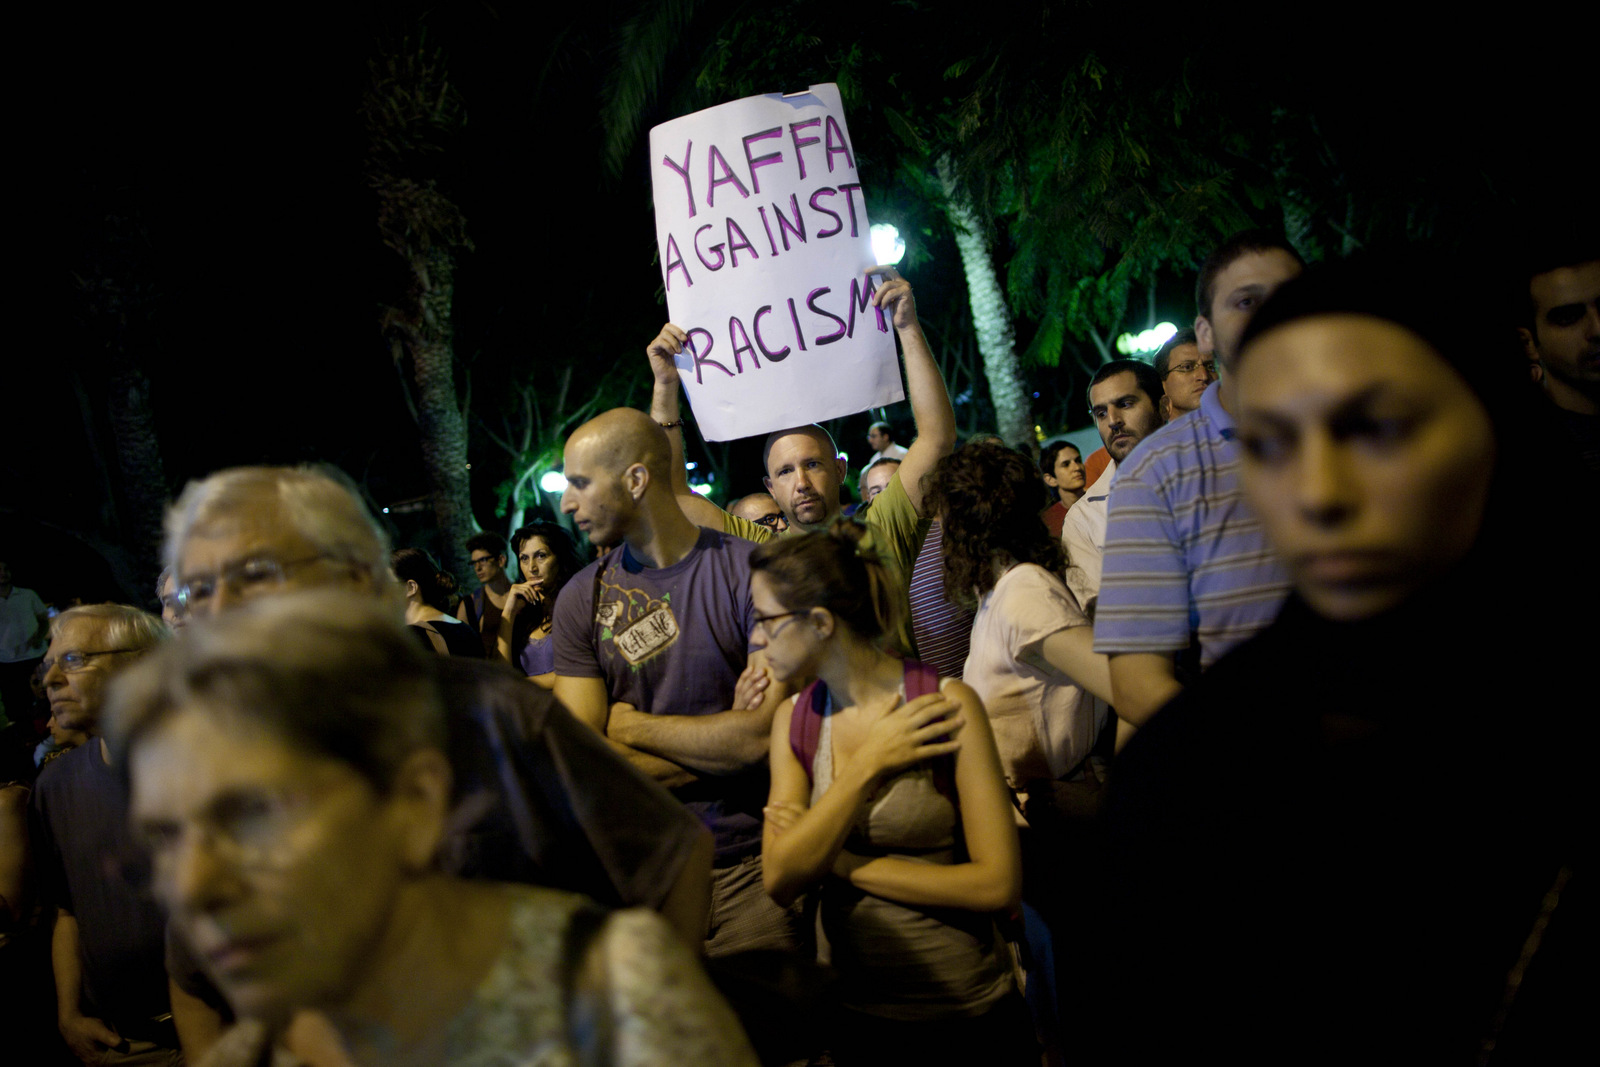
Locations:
column 639, row 625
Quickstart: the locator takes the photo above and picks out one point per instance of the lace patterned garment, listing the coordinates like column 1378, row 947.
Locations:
column 640, row 999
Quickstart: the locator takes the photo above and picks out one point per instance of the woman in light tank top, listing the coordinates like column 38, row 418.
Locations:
column 895, row 809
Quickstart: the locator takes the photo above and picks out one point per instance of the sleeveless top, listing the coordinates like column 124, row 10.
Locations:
column 903, row 961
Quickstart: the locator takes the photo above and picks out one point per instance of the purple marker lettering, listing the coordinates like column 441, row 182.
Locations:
column 850, row 198
column 735, row 245
column 717, row 248
column 794, row 317
column 765, row 225
column 811, row 302
column 675, row 262
column 727, row 176
column 860, row 297
column 838, row 223
column 683, row 172
column 801, row 142
column 842, row 145
column 741, row 343
column 785, row 227
column 761, row 161
column 755, row 328
column 703, row 359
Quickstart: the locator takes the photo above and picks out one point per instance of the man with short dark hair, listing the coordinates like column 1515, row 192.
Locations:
column 1187, row 569
column 107, row 944
column 1122, row 398
column 482, row 609
column 1561, row 335
column 1184, row 374
column 651, row 642
column 880, row 435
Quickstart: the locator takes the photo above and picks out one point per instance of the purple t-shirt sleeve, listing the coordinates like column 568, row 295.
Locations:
column 573, row 627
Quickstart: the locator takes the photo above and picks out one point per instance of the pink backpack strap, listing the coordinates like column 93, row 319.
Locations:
column 805, row 724
column 920, row 680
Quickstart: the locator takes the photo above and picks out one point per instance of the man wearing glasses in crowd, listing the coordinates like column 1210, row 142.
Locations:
column 760, row 509
column 1184, row 374
column 106, row 945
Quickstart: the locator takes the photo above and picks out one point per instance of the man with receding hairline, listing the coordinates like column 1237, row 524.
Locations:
column 651, row 641
column 760, row 509
column 804, row 468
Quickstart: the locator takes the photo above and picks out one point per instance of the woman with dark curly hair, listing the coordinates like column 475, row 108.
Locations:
column 886, row 791
column 547, row 559
column 1031, row 657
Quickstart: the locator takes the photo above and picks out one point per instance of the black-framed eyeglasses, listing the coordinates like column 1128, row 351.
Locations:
column 244, row 578
column 762, row 620
column 772, row 522
column 483, row 559
column 1188, row 366
column 74, row 661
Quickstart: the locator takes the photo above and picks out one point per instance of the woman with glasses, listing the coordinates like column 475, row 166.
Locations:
column 428, row 604
column 287, row 776
column 548, row 559
column 887, row 796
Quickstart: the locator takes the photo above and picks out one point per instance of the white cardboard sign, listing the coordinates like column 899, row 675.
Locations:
column 762, row 228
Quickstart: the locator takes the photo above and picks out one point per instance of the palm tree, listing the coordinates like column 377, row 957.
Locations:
column 411, row 112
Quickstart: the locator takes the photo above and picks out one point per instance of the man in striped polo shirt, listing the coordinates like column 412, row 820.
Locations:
column 1187, row 571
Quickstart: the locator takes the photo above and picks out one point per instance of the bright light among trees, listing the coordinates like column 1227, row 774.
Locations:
column 887, row 247
column 1142, row 344
column 553, row 482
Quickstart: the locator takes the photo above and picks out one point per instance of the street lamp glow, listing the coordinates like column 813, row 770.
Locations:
column 887, row 247
column 1139, row 344
column 553, row 482
column 703, row 488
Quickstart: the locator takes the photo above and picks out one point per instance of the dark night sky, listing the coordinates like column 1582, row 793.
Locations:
column 234, row 140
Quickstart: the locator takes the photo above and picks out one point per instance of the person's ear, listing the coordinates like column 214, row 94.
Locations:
column 637, row 479
column 1530, row 349
column 1050, row 480
column 1164, row 409
column 1205, row 340
column 768, row 483
column 412, row 587
column 821, row 620
column 844, row 468
column 419, row 802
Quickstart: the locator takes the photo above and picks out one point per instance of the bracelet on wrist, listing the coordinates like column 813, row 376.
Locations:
column 673, row 425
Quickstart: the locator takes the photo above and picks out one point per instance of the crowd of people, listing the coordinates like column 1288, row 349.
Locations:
column 1210, row 743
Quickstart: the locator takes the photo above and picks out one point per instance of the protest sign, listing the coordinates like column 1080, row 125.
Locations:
column 762, row 227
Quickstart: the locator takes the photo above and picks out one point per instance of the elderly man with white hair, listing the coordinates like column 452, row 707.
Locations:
column 538, row 797
column 106, row 945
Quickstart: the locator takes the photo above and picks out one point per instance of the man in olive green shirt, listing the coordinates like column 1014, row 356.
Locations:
column 804, row 468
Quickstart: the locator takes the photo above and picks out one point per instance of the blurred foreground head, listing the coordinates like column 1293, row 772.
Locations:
column 1377, row 418
column 246, row 531
column 285, row 772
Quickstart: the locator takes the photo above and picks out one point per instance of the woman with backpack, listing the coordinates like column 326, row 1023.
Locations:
column 887, row 795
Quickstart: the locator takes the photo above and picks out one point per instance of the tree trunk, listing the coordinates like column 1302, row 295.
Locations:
column 141, row 473
column 991, row 318
column 444, row 431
